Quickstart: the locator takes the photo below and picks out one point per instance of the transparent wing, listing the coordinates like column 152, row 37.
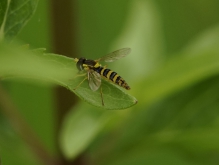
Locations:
column 94, row 80
column 115, row 55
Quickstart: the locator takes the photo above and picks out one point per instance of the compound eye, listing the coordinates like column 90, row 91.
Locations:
column 80, row 64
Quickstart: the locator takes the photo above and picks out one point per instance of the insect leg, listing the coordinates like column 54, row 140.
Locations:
column 101, row 95
column 80, row 83
column 80, row 74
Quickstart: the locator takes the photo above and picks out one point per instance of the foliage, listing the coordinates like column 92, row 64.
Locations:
column 61, row 70
column 173, row 71
column 14, row 15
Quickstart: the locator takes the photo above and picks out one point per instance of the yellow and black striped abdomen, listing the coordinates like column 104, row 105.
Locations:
column 113, row 76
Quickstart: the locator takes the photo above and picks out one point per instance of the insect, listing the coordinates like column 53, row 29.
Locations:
column 95, row 71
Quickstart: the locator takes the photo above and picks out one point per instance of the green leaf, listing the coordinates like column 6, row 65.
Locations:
column 152, row 157
column 14, row 15
column 192, row 77
column 80, row 128
column 144, row 37
column 12, row 144
column 197, row 62
column 52, row 68
column 3, row 6
column 114, row 97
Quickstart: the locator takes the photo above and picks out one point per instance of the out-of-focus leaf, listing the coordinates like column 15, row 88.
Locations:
column 14, row 15
column 193, row 109
column 12, row 149
column 15, row 62
column 80, row 128
column 186, row 68
column 181, row 27
column 144, row 38
column 154, row 157
column 3, row 5
column 187, row 122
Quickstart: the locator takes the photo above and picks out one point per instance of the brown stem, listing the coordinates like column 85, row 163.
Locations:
column 64, row 30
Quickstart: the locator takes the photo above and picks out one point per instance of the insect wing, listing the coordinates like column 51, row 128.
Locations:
column 94, row 80
column 115, row 55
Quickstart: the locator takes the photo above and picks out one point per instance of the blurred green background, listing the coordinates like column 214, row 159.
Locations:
column 172, row 70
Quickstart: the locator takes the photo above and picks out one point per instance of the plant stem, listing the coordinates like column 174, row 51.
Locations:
column 22, row 128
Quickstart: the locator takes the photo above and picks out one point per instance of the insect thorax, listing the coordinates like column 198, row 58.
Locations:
column 84, row 64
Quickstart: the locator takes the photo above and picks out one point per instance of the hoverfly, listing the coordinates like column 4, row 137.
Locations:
column 95, row 71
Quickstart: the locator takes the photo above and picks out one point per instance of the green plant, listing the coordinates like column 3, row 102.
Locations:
column 175, row 79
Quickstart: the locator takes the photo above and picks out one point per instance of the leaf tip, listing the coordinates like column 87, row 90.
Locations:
column 135, row 101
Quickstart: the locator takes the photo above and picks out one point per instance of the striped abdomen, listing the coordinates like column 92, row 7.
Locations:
column 113, row 76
